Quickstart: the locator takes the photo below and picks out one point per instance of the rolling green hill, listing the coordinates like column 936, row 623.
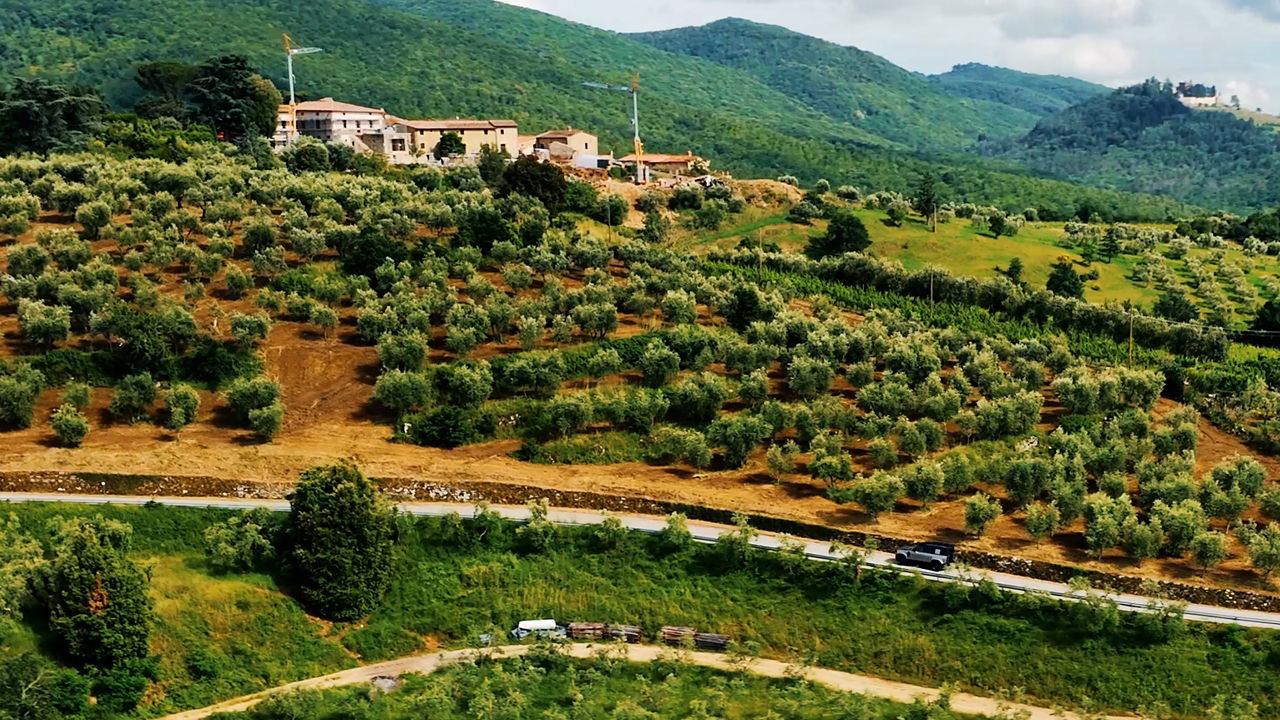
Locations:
column 847, row 84
column 448, row 58
column 1142, row 139
column 1040, row 95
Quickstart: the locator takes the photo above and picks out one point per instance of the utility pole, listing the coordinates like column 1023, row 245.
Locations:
column 1131, row 339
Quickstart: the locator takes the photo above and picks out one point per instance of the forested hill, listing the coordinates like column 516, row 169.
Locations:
column 1142, row 139
column 448, row 58
column 1040, row 95
column 847, row 84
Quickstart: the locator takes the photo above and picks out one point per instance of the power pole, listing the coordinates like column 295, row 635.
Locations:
column 1130, row 339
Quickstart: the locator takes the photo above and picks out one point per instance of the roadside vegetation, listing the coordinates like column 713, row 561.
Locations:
column 451, row 580
column 547, row 685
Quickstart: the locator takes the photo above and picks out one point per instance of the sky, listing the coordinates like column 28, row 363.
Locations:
column 1234, row 44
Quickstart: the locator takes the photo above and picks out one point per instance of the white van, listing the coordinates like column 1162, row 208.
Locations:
column 537, row 628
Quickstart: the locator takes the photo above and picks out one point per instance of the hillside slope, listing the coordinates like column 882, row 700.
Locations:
column 847, row 84
column 1142, row 139
column 1040, row 95
column 479, row 58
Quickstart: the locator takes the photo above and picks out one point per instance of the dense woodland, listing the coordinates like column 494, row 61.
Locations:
column 1142, row 139
column 495, row 60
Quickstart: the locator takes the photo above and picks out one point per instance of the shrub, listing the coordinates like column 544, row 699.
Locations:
column 94, row 216
column 248, row 329
column 340, row 532
column 266, row 422
column 76, row 394
column 957, row 473
column 698, row 399
column 133, row 397
column 43, row 324
column 668, row 445
column 781, row 459
column 1241, row 473
column 242, row 543
column 980, row 511
column 450, row 427
column 70, row 425
column 401, row 391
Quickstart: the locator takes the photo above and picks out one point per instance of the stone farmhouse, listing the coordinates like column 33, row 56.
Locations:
column 408, row 142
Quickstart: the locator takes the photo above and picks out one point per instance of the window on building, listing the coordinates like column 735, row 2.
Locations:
column 397, row 145
column 344, row 124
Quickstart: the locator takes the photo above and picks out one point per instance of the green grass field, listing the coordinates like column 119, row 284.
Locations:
column 964, row 251
column 222, row 636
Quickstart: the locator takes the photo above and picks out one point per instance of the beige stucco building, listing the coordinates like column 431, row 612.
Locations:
column 425, row 134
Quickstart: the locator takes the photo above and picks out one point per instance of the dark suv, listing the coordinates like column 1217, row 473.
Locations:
column 933, row 555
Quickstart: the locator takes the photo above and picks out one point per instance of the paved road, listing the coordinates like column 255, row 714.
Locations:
column 702, row 532
column 834, row 679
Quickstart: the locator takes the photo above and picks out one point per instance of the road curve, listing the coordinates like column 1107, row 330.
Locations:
column 702, row 532
column 834, row 679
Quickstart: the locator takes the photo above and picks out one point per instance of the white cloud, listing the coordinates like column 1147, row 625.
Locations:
column 1085, row 55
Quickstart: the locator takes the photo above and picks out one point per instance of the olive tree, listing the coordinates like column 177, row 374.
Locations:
column 1042, row 520
column 183, row 403
column 877, row 494
column 738, row 435
column 70, row 425
column 658, row 363
column 809, row 377
column 980, row 511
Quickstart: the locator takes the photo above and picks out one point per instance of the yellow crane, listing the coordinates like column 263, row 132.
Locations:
column 634, row 89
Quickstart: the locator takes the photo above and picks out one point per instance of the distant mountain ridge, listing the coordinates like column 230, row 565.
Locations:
column 847, row 84
column 830, row 112
column 1143, row 139
column 1040, row 95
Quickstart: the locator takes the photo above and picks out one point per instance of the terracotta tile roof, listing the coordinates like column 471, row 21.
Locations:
column 330, row 105
column 457, row 124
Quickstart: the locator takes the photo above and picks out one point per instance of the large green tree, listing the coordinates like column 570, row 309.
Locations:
column 340, row 531
column 845, row 233
column 928, row 199
column 235, row 101
column 38, row 116
column 95, row 595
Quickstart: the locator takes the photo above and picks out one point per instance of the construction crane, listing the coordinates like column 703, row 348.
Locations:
column 289, row 52
column 635, row 118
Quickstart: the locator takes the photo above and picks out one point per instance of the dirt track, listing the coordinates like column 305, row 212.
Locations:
column 834, row 679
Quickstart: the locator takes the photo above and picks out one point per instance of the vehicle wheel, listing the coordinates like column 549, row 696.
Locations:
column 900, row 560
column 936, row 566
